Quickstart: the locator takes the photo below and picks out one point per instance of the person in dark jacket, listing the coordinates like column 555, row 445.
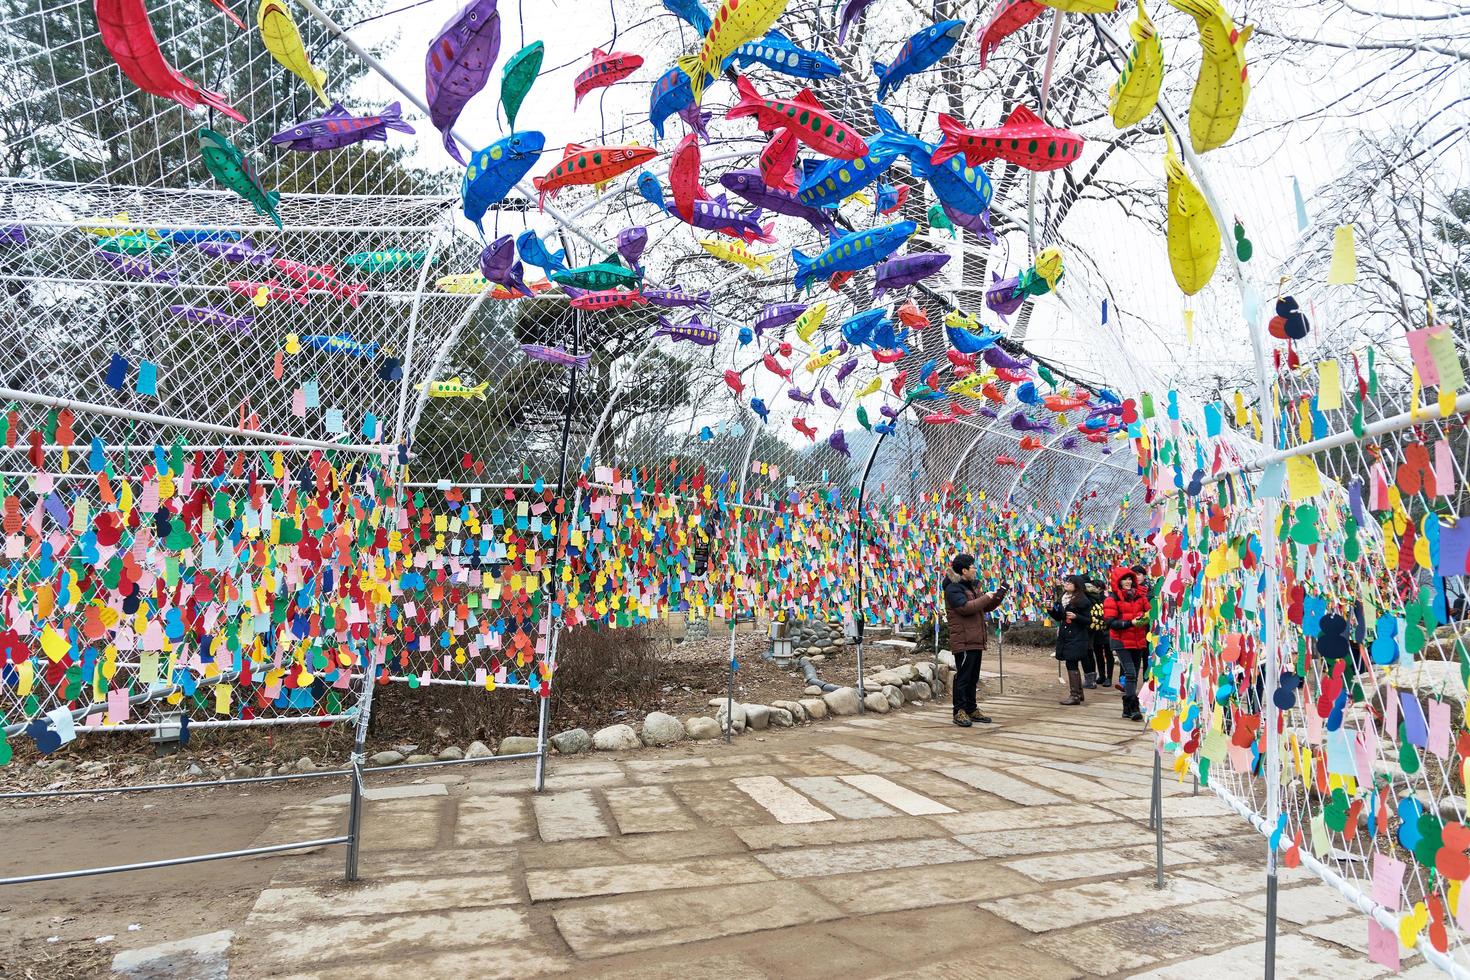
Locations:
column 1072, row 612
column 1126, row 611
column 1101, row 674
column 965, row 607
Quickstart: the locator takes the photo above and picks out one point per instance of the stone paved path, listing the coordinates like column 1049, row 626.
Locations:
column 879, row 846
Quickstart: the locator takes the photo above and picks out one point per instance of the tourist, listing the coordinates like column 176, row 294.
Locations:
column 1102, row 653
column 965, row 608
column 1126, row 612
column 1072, row 612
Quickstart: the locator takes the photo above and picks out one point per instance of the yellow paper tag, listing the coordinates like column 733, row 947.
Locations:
column 1302, row 478
column 1329, row 386
column 1344, row 268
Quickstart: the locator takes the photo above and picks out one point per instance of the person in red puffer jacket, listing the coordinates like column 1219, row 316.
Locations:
column 1126, row 613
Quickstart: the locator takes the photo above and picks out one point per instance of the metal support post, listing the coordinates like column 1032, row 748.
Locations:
column 1000, row 651
column 543, row 710
column 1158, row 819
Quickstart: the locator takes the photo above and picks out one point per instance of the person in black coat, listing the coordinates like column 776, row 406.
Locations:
column 1072, row 612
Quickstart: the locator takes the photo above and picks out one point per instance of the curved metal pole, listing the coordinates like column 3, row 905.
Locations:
column 740, row 545
column 413, row 326
column 860, row 618
column 543, row 710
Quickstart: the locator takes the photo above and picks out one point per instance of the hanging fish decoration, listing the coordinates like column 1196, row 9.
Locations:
column 534, row 252
column 736, row 22
column 458, row 63
column 228, row 165
column 777, row 52
column 1191, row 234
column 965, row 189
column 823, row 132
column 1136, row 92
column 904, row 271
column 1009, row 17
column 692, row 12
column 631, row 243
column 595, row 165
column 825, row 183
column 1223, row 85
column 339, row 128
column 919, row 53
column 607, row 68
column 851, row 11
column 283, row 40
column 1024, row 140
column 128, row 36
column 749, row 185
column 693, row 331
column 517, row 77
column 670, row 94
column 853, row 251
column 495, row 170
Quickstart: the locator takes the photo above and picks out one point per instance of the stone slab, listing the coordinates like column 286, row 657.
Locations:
column 873, row 856
column 1296, row 956
column 492, row 821
column 771, row 836
column 861, row 759
column 899, row 797
column 783, row 802
column 1148, row 938
column 720, row 804
column 393, row 897
column 278, row 948
column 894, row 890
column 672, row 920
column 846, row 801
column 205, row 957
column 569, row 815
column 647, row 809
column 1024, row 817
column 622, row 879
column 1000, row 784
column 1067, row 907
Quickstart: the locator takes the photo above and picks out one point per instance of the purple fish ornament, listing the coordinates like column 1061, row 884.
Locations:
column 458, row 64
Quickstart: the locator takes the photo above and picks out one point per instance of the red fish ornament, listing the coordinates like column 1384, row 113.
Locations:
column 590, row 165
column 804, row 116
column 1025, row 140
column 128, row 37
column 1009, row 17
column 606, row 69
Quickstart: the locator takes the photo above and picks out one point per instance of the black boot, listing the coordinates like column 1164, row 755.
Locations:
column 1074, row 682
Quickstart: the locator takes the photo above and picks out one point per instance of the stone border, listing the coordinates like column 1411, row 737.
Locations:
column 888, row 689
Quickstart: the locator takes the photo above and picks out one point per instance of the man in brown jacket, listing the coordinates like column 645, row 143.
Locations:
column 966, row 605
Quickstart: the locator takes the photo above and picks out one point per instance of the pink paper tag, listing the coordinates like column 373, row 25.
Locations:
column 1314, row 726
column 1383, row 946
column 1439, row 728
column 1423, row 359
column 1444, row 469
column 1388, row 880
column 1391, row 713
column 117, row 706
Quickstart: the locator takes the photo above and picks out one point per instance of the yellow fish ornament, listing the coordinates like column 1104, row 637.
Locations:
column 736, row 22
column 1136, row 92
column 283, row 40
column 810, row 322
column 1193, row 237
column 737, row 253
column 1222, row 88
